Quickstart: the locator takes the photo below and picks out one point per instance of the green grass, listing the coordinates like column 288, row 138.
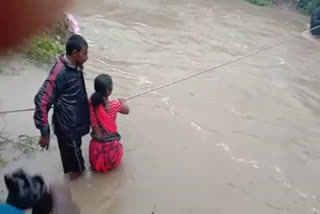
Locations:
column 27, row 144
column 24, row 144
column 305, row 6
column 44, row 48
column 308, row 5
column 3, row 161
column 49, row 43
column 261, row 2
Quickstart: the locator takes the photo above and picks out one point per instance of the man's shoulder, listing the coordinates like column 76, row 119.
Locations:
column 58, row 68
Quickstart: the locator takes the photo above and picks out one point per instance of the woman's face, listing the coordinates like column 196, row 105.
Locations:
column 109, row 92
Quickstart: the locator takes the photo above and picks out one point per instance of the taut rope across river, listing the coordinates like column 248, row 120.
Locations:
column 192, row 75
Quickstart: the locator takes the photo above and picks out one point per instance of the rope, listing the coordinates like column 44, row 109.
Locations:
column 221, row 65
column 193, row 75
column 16, row 111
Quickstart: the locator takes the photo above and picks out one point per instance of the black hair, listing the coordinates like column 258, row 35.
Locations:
column 28, row 192
column 102, row 83
column 75, row 43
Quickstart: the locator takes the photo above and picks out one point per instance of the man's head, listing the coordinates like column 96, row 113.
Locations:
column 24, row 191
column 77, row 49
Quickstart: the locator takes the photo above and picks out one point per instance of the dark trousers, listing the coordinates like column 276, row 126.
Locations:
column 71, row 154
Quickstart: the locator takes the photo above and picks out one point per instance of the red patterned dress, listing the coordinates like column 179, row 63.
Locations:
column 105, row 152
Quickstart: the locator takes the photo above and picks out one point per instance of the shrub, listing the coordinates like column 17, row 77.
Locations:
column 44, row 48
column 308, row 5
column 261, row 2
column 47, row 45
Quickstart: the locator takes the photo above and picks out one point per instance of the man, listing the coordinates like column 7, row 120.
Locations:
column 61, row 195
column 65, row 90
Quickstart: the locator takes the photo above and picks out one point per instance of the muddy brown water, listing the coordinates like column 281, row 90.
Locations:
column 241, row 139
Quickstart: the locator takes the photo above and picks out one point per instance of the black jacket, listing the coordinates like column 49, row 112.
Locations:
column 65, row 90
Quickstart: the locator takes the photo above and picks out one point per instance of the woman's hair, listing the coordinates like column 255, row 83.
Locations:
column 102, row 83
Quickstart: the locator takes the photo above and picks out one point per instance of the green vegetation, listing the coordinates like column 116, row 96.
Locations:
column 308, row 5
column 304, row 5
column 47, row 45
column 3, row 161
column 27, row 144
column 44, row 48
column 13, row 149
column 23, row 145
column 261, row 2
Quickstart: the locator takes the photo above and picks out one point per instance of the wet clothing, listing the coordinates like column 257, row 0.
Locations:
column 7, row 209
column 71, row 154
column 65, row 90
column 105, row 156
column 105, row 152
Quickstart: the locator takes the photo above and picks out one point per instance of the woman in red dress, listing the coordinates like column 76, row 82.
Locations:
column 105, row 149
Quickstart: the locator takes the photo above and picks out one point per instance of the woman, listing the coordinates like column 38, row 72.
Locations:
column 105, row 150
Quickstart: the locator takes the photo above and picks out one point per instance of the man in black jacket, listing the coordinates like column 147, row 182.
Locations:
column 65, row 90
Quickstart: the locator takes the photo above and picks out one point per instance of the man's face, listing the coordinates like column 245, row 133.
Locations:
column 81, row 56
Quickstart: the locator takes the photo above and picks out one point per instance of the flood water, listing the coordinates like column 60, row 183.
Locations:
column 240, row 139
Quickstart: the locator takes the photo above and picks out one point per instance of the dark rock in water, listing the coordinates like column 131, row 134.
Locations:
column 315, row 22
column 28, row 192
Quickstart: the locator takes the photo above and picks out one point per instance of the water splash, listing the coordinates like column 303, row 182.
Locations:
column 278, row 169
column 224, row 146
column 170, row 107
column 195, row 126
column 254, row 164
column 303, row 195
column 281, row 61
column 144, row 81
